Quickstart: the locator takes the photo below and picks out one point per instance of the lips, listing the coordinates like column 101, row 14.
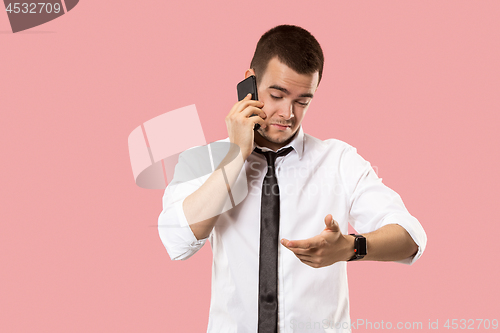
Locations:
column 281, row 126
column 28, row 14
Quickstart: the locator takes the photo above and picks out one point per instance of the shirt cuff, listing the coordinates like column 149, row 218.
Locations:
column 417, row 233
column 192, row 242
column 176, row 235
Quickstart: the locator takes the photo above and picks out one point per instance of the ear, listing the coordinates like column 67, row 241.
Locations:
column 249, row 72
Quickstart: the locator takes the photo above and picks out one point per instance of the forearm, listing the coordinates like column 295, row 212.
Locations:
column 389, row 243
column 203, row 207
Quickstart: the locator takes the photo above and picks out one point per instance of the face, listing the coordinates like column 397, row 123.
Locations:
column 286, row 95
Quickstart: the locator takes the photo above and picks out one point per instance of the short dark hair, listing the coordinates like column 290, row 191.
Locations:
column 294, row 46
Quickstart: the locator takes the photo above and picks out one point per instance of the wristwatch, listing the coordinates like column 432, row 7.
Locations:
column 359, row 247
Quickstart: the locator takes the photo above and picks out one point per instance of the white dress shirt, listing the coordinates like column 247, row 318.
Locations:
column 316, row 179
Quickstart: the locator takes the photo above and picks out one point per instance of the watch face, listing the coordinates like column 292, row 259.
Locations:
column 361, row 246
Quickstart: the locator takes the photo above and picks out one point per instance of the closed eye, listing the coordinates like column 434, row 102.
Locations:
column 279, row 97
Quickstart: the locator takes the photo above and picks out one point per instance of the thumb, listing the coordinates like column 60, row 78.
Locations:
column 331, row 224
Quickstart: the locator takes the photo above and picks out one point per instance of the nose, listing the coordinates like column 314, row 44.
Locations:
column 286, row 111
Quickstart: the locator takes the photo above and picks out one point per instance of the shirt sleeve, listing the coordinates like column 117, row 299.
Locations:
column 373, row 204
column 173, row 227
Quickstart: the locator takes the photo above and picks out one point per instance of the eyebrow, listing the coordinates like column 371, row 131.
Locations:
column 287, row 92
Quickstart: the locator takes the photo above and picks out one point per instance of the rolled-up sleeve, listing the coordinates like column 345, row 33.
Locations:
column 173, row 227
column 374, row 205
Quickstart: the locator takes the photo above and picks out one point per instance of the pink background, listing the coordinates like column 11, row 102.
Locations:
column 414, row 85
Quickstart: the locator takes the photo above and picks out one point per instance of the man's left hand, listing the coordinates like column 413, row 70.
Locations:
column 324, row 249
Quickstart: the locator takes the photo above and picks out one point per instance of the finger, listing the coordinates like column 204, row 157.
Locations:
column 255, row 115
column 247, row 109
column 331, row 224
column 309, row 263
column 298, row 254
column 304, row 243
column 241, row 105
column 304, row 260
column 300, row 251
column 259, row 120
column 261, row 113
column 253, row 109
column 248, row 97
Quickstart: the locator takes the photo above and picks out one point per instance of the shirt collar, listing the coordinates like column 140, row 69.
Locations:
column 297, row 144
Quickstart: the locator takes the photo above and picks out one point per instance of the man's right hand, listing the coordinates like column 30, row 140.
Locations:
column 240, row 125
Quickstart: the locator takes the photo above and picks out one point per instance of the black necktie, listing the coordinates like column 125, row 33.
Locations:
column 268, row 254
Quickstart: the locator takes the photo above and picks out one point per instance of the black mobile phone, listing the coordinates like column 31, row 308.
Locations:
column 248, row 85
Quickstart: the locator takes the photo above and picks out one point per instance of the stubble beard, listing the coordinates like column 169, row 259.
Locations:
column 279, row 140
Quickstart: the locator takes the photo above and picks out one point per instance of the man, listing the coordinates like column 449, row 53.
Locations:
column 305, row 196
